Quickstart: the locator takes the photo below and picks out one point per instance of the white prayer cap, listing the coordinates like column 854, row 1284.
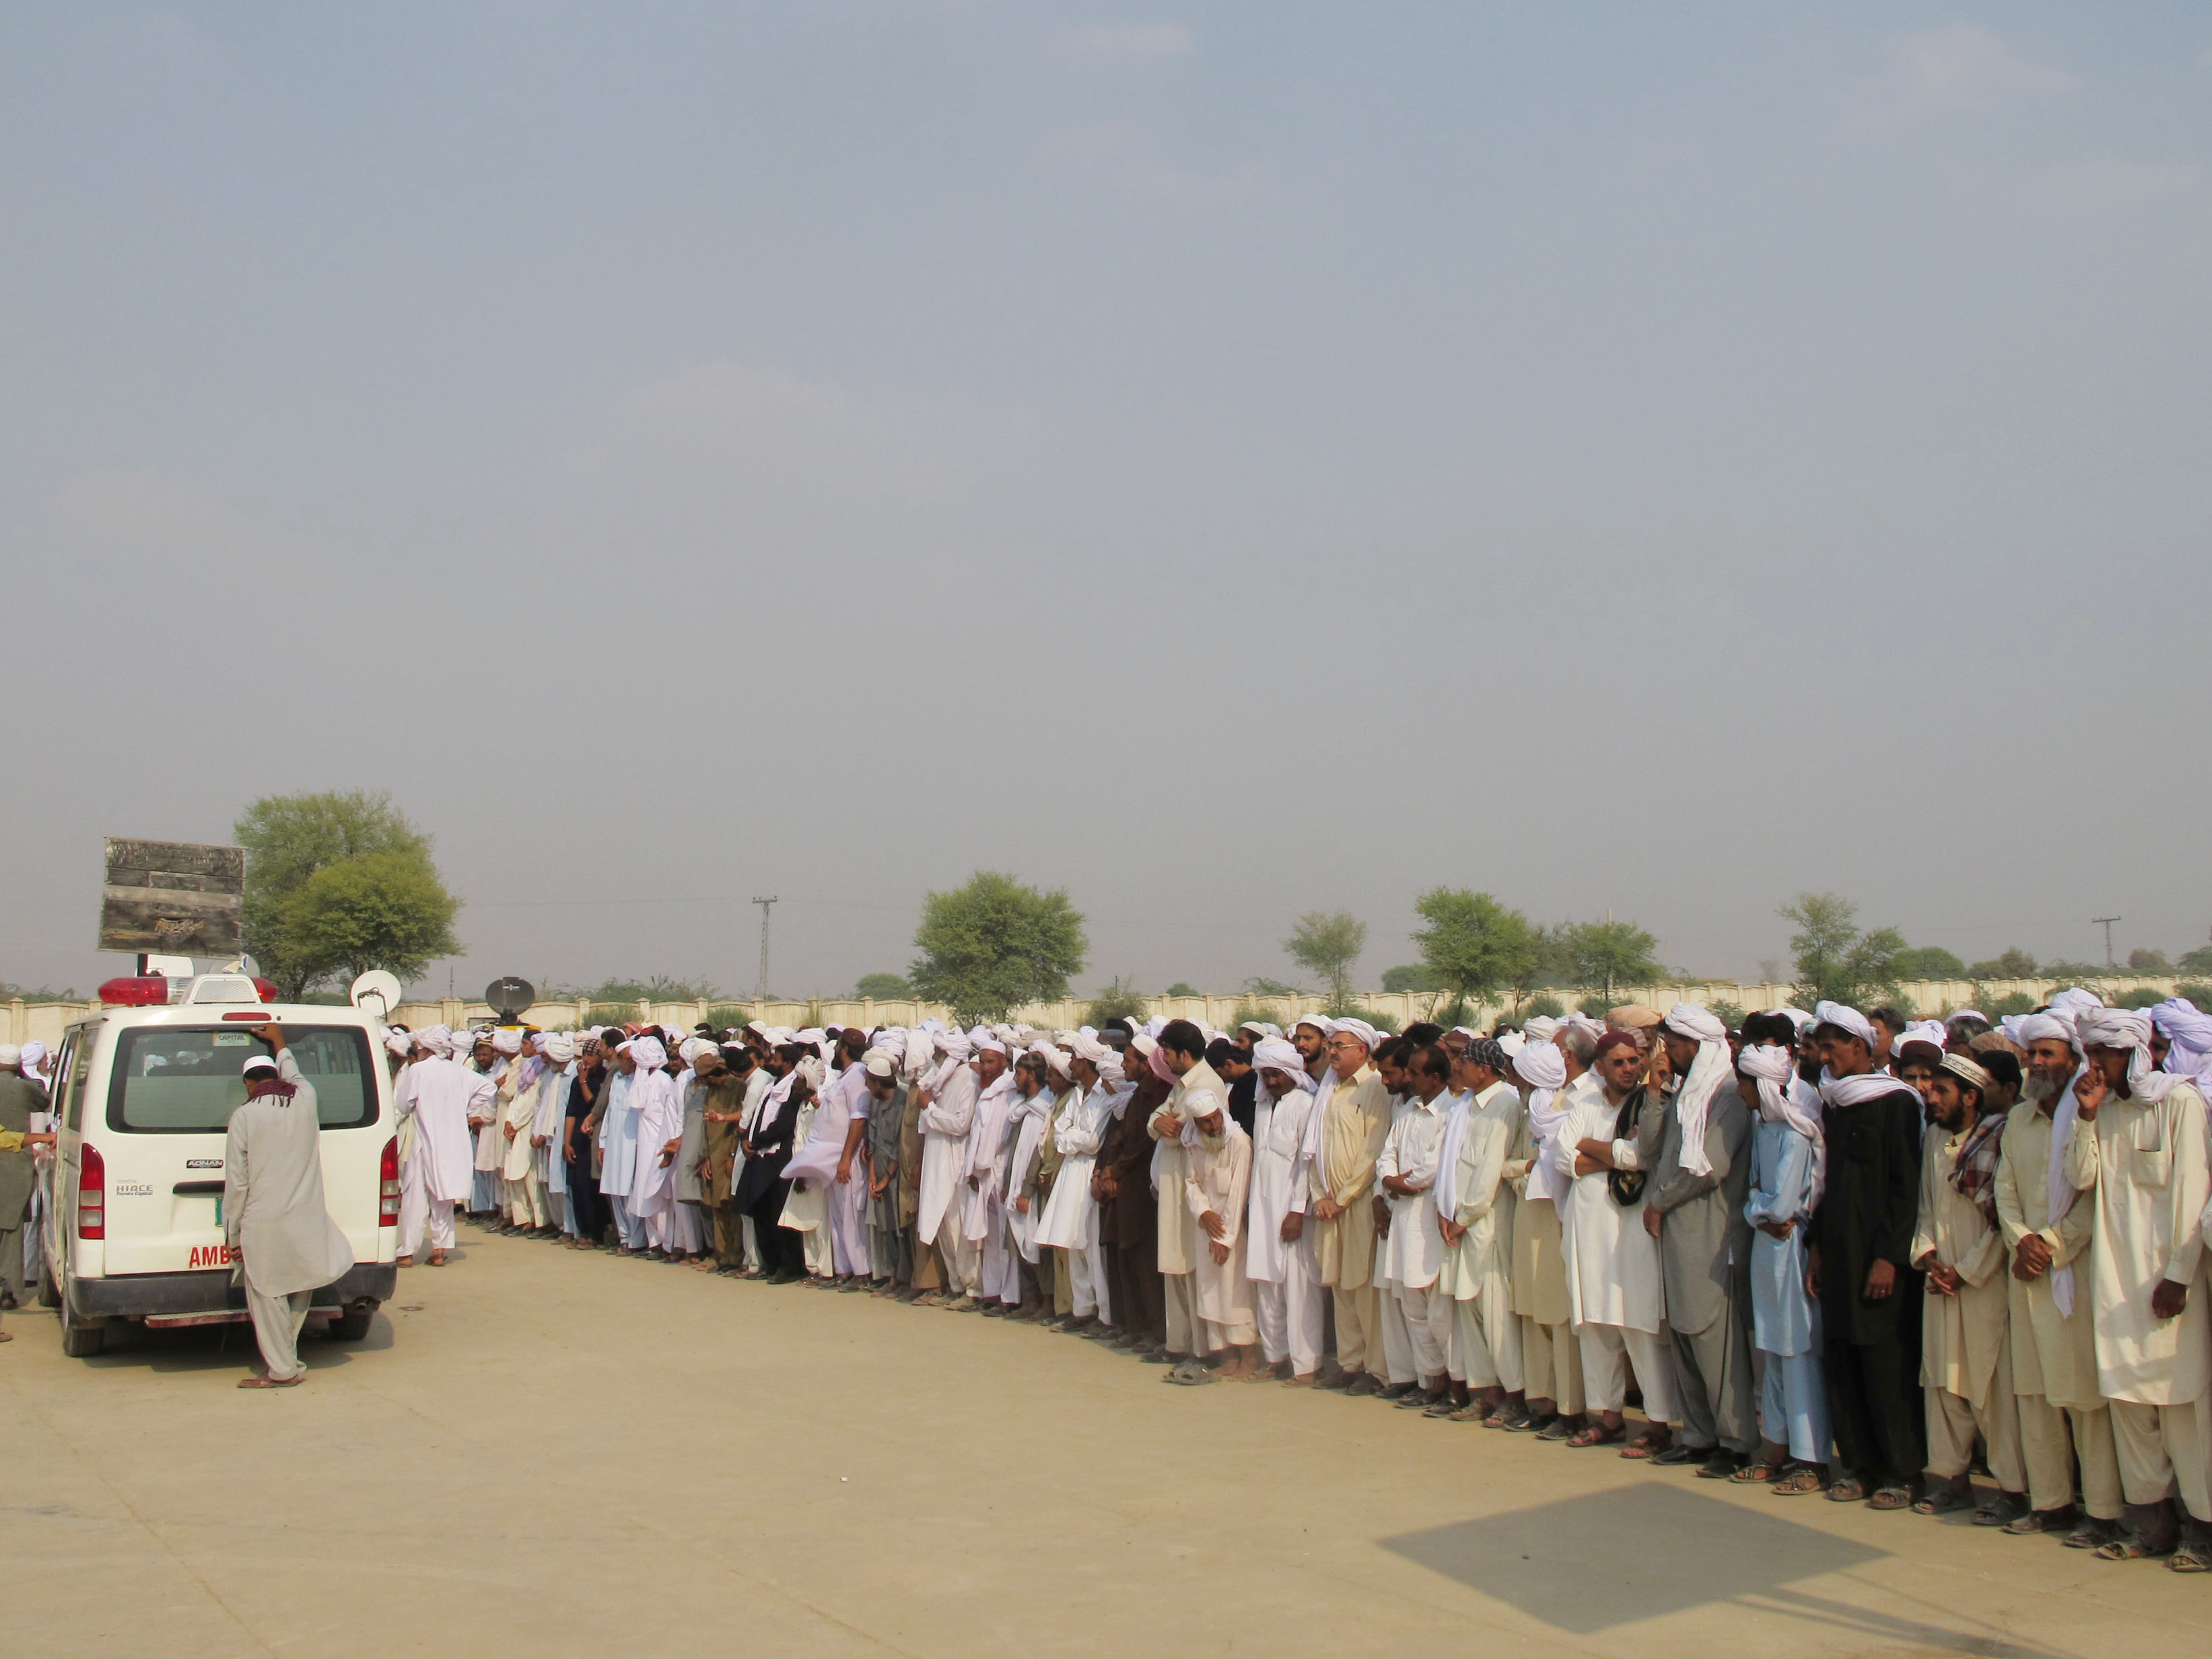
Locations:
column 1260, row 1030
column 1845, row 1018
column 1697, row 1024
column 2073, row 1000
column 1541, row 1066
column 560, row 1046
column 879, row 1063
column 507, row 1042
column 989, row 1043
column 1540, row 1029
column 1368, row 1035
column 1958, row 1014
column 257, row 1063
column 11, row 1056
column 1967, row 1071
column 397, row 1043
column 1144, row 1043
column 646, row 1052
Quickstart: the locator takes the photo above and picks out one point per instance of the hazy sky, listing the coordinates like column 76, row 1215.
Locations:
column 1224, row 460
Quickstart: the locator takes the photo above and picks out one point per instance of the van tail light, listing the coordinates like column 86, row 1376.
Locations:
column 91, row 1195
column 388, row 1213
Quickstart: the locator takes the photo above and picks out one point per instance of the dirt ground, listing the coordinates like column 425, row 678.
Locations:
column 541, row 1452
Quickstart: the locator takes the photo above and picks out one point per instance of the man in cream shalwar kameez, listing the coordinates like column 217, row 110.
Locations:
column 947, row 1116
column 2145, row 1153
column 2064, row 1427
column 1344, row 1136
column 1551, row 1356
column 274, row 1217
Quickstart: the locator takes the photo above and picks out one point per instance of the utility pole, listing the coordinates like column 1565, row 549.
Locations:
column 2105, row 922
column 760, row 993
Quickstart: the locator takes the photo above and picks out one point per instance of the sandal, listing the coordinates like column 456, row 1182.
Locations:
column 270, row 1382
column 2191, row 1555
column 1938, row 1500
column 1759, row 1472
column 1191, row 1374
column 1643, row 1448
column 1891, row 1498
column 1849, row 1489
column 2091, row 1534
column 1797, row 1481
column 1598, row 1434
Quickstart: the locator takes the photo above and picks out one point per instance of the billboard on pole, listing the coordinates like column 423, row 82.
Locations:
column 172, row 897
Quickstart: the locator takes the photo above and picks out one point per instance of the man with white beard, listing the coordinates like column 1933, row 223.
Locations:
column 1279, row 1250
column 441, row 1095
column 982, row 1224
column 2139, row 1142
column 2065, row 1425
column 948, row 1115
column 1344, row 1136
column 1071, row 1209
column 1615, row 1285
column 1217, row 1167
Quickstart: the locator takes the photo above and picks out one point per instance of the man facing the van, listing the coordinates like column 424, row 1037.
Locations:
column 286, row 1245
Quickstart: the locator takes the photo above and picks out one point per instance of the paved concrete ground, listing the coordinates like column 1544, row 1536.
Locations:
column 544, row 1453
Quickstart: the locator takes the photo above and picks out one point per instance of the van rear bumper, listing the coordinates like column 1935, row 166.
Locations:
column 133, row 1296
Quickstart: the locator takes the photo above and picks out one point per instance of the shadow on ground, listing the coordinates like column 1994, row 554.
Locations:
column 1689, row 1551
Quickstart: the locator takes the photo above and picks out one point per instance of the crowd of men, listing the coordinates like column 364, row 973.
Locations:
column 1839, row 1252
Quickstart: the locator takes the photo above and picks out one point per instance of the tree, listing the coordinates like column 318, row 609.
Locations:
column 2148, row 962
column 1119, row 1000
column 2015, row 963
column 398, row 906
column 1271, row 987
column 1414, row 977
column 1181, row 988
column 1474, row 945
column 996, row 944
column 1328, row 944
column 659, row 988
column 2198, row 961
column 1610, row 953
column 1930, row 962
column 1836, row 962
column 882, row 987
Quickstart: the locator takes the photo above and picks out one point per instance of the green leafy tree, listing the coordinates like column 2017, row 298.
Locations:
column 659, row 988
column 2013, row 964
column 1543, row 1005
column 2198, row 961
column 394, row 914
column 1271, row 987
column 1835, row 961
column 1729, row 1014
column 1121, row 1000
column 2012, row 1002
column 2148, row 962
column 883, row 988
column 1475, row 946
column 996, row 944
column 1326, row 944
column 1415, row 977
column 1929, row 961
column 1610, row 954
column 1181, row 988
column 2140, row 996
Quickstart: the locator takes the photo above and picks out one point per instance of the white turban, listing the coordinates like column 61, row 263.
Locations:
column 1320, row 1023
column 1368, row 1035
column 1708, row 1071
column 507, row 1042
column 954, row 1045
column 695, row 1047
column 32, row 1064
column 2025, row 1029
column 397, row 1043
column 559, row 1047
column 1798, row 1019
column 1541, row 1066
column 1541, row 1028
column 2073, row 1000
column 1933, row 1032
column 1110, row 1068
column 438, row 1039
column 1512, row 1042
column 1845, row 1018
column 2189, row 1032
column 646, row 1052
column 1275, row 1055
column 1087, row 1047
column 2127, row 1028
column 1783, row 1099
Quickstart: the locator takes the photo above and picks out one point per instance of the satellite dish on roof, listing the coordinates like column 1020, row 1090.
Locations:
column 375, row 992
column 510, row 998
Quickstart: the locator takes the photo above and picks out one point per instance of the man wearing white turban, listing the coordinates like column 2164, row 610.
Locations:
column 1787, row 1175
column 2141, row 1143
column 1698, row 1148
column 2064, row 1427
column 1344, row 1137
column 1286, row 1290
column 948, row 1115
column 1474, row 1214
column 1862, row 1267
column 440, row 1096
column 1551, row 1356
column 522, row 1193
column 1616, row 1290
column 1069, row 1225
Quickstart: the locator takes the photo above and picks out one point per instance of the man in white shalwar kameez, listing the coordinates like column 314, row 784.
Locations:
column 659, row 1117
column 522, row 1190
column 274, row 1220
column 439, row 1096
column 2139, row 1141
column 1217, row 1172
column 981, row 1223
column 1474, row 1216
column 618, row 1148
column 948, row 1115
column 1615, row 1288
column 1410, row 1255
column 1181, row 1241
column 1071, row 1209
column 1279, row 1251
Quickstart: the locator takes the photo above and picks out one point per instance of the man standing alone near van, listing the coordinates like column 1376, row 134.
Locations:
column 286, row 1245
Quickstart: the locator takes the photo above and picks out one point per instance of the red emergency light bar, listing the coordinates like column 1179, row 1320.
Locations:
column 152, row 991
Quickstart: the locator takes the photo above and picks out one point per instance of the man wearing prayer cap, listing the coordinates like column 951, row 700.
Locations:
column 1698, row 1147
column 440, row 1097
column 1551, row 1355
column 1344, row 1137
column 1966, row 1364
column 2064, row 1427
column 1862, row 1267
column 2139, row 1142
column 279, row 1231
column 948, row 1115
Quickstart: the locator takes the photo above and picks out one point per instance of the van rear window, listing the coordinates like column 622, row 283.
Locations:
column 183, row 1080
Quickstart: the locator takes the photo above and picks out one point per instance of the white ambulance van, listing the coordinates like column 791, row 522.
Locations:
column 142, row 1097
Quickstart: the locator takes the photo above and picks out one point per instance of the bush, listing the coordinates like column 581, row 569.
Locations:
column 883, row 988
column 1181, row 988
column 1119, row 1000
column 1729, row 1014
column 2197, row 993
column 2014, row 1002
column 1593, row 1007
column 2141, row 997
column 1412, row 977
column 1542, row 1006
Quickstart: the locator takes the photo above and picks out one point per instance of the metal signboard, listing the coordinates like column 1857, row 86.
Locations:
column 172, row 897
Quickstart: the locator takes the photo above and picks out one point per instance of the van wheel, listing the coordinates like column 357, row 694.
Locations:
column 82, row 1342
column 353, row 1324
